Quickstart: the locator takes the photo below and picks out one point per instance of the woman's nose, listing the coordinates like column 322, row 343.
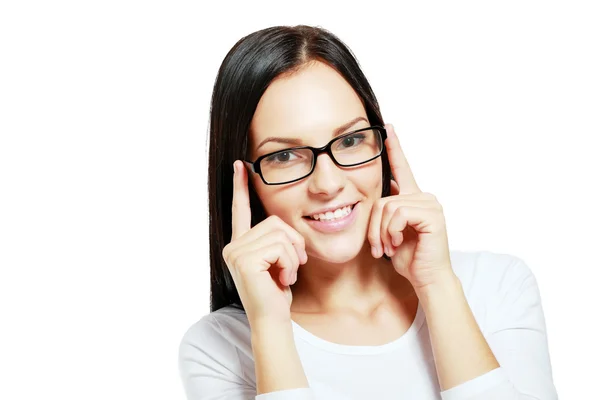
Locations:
column 327, row 178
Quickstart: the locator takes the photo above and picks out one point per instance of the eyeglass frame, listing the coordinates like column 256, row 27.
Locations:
column 316, row 151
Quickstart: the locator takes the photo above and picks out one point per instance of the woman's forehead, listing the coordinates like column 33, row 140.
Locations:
column 314, row 99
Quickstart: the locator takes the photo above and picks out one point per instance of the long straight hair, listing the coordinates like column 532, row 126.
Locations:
column 245, row 73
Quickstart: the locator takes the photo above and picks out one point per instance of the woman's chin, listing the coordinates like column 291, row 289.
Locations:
column 339, row 255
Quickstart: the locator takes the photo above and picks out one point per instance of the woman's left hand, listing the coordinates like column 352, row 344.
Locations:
column 409, row 225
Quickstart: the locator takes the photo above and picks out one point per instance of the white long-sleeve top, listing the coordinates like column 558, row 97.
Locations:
column 216, row 361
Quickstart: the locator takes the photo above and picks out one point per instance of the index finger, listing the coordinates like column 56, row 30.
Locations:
column 241, row 216
column 400, row 168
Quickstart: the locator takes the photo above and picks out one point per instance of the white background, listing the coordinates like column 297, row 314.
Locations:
column 103, row 120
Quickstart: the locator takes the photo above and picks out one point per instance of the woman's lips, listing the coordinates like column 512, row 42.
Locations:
column 335, row 225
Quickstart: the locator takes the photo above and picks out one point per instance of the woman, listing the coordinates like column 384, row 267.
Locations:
column 329, row 279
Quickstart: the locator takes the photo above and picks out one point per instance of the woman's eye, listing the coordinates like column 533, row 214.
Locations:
column 281, row 157
column 349, row 141
column 352, row 141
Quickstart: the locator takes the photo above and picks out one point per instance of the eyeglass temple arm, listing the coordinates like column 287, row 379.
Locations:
column 250, row 164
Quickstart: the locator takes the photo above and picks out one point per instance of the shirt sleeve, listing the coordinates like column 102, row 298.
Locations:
column 210, row 369
column 516, row 334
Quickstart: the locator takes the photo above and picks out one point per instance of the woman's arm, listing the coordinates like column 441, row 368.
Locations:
column 461, row 352
column 511, row 361
column 276, row 360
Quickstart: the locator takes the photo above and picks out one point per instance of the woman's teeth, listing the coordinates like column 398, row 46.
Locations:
column 333, row 215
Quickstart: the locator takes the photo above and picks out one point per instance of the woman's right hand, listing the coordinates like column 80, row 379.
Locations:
column 262, row 260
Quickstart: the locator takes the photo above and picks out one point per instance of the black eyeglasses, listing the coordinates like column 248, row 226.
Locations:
column 348, row 150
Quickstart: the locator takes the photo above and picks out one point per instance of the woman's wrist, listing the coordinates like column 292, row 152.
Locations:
column 267, row 328
column 443, row 285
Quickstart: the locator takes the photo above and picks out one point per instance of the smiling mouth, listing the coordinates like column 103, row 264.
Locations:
column 332, row 217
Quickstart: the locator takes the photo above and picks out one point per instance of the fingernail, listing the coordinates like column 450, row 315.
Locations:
column 385, row 249
column 295, row 277
column 234, row 167
column 374, row 251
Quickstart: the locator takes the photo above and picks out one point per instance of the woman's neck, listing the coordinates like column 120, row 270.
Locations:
column 359, row 286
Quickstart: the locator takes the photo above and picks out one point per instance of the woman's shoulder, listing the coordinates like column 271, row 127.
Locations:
column 488, row 270
column 223, row 330
column 217, row 350
column 494, row 283
column 486, row 265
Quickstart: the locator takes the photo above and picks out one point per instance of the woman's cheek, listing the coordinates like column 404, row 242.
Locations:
column 279, row 204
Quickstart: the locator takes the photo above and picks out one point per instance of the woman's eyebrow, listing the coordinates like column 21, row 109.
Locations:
column 337, row 131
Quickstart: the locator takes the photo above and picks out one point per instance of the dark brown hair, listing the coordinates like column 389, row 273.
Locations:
column 246, row 72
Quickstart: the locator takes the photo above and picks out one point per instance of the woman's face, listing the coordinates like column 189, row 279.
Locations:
column 310, row 105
